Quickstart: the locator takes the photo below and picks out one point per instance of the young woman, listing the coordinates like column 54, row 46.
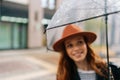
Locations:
column 78, row 61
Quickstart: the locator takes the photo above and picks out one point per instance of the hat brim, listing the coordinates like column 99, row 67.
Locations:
column 91, row 37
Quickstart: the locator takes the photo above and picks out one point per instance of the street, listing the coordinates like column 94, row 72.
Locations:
column 36, row 64
column 31, row 64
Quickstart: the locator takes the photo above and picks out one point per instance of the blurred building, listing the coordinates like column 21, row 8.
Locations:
column 22, row 25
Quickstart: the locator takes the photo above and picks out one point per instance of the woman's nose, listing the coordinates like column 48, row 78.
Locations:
column 75, row 48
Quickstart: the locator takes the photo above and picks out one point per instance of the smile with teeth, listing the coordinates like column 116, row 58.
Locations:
column 78, row 54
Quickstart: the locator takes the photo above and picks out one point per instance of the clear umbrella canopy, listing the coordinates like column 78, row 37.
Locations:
column 79, row 12
column 76, row 10
column 99, row 16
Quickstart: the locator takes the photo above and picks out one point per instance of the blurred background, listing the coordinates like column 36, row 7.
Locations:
column 23, row 51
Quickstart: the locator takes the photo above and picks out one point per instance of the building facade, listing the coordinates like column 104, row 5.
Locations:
column 13, row 26
column 22, row 26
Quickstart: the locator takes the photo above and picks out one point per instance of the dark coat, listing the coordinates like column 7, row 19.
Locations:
column 115, row 71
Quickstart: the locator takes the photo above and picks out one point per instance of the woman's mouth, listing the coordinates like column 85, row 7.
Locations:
column 78, row 54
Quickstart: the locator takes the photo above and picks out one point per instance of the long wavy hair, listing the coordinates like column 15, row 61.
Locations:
column 67, row 69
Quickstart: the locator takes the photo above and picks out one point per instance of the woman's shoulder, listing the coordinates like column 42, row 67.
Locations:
column 114, row 65
column 115, row 70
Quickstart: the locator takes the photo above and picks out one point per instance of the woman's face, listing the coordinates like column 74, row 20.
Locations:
column 76, row 48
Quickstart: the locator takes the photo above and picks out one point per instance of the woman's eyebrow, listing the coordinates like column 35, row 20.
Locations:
column 79, row 39
column 67, row 42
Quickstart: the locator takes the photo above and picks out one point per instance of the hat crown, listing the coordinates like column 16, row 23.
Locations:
column 71, row 29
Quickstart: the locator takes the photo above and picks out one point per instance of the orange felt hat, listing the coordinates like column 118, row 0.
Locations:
column 72, row 30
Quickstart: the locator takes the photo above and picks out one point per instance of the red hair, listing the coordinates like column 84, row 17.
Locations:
column 67, row 69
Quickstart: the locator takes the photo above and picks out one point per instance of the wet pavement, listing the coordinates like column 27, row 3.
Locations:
column 31, row 64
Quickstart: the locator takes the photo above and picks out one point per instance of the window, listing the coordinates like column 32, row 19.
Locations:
column 48, row 4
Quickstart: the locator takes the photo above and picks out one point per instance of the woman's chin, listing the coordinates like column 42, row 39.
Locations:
column 78, row 59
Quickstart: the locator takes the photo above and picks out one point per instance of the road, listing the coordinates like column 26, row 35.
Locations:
column 30, row 64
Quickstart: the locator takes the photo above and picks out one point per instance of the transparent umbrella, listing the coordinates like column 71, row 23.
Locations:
column 81, row 11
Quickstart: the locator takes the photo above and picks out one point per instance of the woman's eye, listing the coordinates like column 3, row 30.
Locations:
column 80, row 42
column 69, row 46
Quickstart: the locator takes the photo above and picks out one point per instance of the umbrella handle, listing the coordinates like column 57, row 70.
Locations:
column 111, row 77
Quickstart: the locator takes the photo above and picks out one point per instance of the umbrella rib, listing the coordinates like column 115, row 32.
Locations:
column 83, row 20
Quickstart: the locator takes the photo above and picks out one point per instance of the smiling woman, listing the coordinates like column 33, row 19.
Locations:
column 78, row 61
column 76, row 48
